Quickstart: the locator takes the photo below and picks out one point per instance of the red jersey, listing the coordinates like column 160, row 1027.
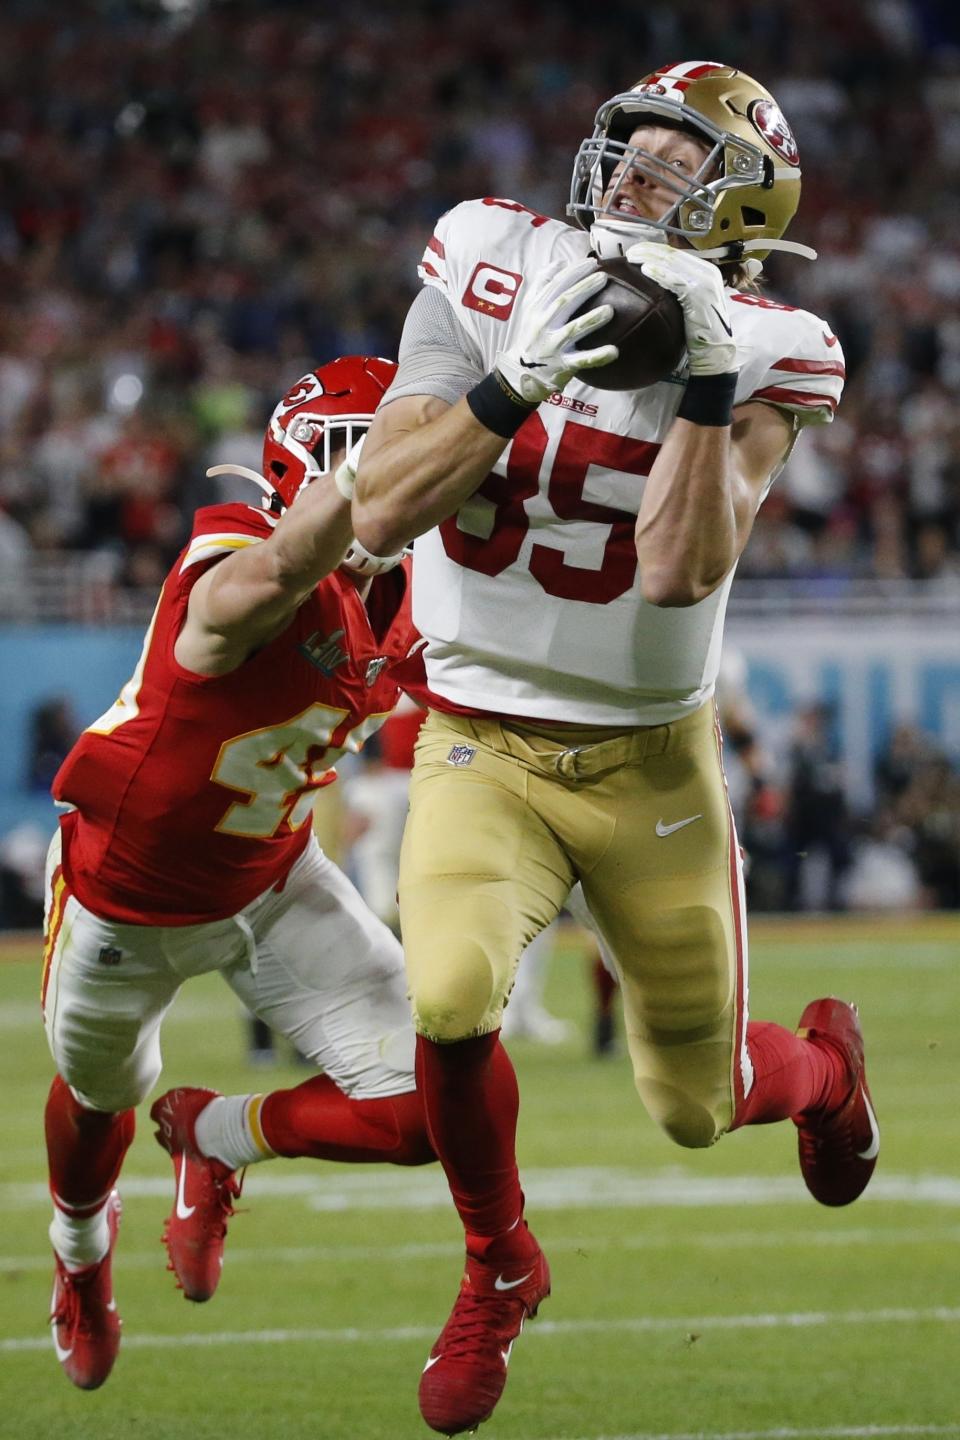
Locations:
column 399, row 735
column 194, row 794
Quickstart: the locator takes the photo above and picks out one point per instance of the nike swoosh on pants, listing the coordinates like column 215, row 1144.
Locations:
column 663, row 830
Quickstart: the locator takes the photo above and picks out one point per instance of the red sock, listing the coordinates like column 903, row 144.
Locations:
column 318, row 1120
column 604, row 987
column 85, row 1149
column 790, row 1075
column 470, row 1094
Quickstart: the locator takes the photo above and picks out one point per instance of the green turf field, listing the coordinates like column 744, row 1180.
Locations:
column 695, row 1294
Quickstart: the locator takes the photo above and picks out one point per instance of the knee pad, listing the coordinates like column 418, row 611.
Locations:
column 685, row 1084
column 454, row 1007
column 685, row 1120
column 460, row 962
column 109, row 1092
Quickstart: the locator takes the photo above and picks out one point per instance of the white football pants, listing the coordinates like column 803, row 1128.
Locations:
column 311, row 961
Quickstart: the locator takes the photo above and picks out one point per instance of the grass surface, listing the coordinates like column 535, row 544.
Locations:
column 695, row 1293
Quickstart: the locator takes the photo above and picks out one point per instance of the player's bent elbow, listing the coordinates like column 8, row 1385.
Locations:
column 675, row 589
column 670, row 592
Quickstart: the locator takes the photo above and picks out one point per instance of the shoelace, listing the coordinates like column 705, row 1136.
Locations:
column 225, row 1192
column 68, row 1310
column 474, row 1322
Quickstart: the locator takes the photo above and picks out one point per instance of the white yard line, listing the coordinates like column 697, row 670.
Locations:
column 643, row 1324
column 239, row 1254
column 829, row 1432
column 570, row 1188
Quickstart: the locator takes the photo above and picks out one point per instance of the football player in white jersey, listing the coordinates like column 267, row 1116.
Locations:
column 575, row 550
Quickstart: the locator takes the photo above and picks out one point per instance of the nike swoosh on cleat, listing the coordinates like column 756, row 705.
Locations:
column 532, row 364
column 663, row 830
column 724, row 323
column 873, row 1149
column 62, row 1354
column 501, row 1284
column 184, row 1211
column 432, row 1360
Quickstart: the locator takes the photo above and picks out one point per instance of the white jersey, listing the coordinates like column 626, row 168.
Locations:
column 529, row 597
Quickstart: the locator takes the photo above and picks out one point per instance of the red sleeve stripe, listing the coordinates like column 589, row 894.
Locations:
column 434, row 244
column 812, row 367
column 807, row 399
column 428, row 269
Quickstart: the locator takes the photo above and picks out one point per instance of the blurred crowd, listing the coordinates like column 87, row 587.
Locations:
column 807, row 847
column 204, row 198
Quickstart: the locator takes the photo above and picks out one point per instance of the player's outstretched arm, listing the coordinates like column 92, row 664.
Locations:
column 251, row 595
column 423, row 458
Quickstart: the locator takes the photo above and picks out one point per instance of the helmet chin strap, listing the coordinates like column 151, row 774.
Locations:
column 245, row 473
column 743, row 247
column 358, row 558
column 610, row 240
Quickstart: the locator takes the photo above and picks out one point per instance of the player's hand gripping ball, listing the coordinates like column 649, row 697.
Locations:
column 647, row 328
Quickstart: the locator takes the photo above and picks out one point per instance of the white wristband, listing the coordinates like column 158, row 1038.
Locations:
column 360, row 559
column 344, row 477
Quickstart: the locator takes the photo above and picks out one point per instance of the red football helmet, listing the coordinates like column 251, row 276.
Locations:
column 328, row 407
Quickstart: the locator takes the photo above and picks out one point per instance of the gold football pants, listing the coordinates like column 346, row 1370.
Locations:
column 505, row 817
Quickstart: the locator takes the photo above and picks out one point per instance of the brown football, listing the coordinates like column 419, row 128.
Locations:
column 646, row 327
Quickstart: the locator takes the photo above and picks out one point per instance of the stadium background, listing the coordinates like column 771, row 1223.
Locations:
column 201, row 200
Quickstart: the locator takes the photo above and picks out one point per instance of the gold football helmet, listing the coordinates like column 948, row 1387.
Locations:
column 735, row 209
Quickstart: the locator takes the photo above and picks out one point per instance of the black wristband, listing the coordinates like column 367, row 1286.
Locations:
column 708, row 399
column 498, row 406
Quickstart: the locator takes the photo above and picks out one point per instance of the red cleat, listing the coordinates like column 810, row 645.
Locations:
column 83, row 1314
column 467, row 1368
column 206, row 1189
column 839, row 1147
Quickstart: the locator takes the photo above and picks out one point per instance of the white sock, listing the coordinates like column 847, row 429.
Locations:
column 80, row 1242
column 228, row 1129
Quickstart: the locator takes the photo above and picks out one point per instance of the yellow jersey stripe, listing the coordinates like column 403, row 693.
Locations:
column 57, row 907
column 206, row 545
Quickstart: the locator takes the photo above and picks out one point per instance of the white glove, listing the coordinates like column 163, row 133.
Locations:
column 345, row 475
column 543, row 358
column 698, row 286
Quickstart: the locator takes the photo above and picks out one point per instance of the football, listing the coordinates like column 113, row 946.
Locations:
column 646, row 327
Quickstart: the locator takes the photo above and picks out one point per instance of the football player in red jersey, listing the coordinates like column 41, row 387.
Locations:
column 186, row 846
column 576, row 546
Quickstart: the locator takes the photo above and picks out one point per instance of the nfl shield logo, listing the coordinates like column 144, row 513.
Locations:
column 110, row 955
column 461, row 755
